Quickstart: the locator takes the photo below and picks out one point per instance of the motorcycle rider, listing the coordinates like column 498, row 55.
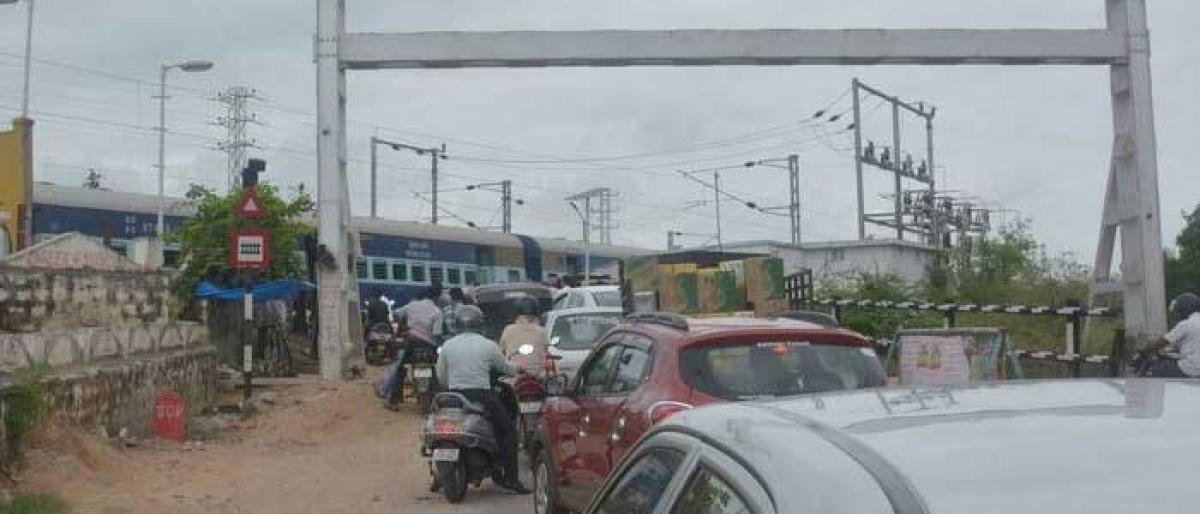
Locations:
column 526, row 329
column 424, row 321
column 377, row 309
column 1184, row 338
column 450, row 311
column 466, row 363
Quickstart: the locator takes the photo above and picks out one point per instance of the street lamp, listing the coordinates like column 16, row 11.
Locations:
column 188, row 66
column 28, row 50
column 587, row 238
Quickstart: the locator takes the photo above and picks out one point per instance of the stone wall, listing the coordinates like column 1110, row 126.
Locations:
column 107, row 341
column 35, row 298
column 120, row 393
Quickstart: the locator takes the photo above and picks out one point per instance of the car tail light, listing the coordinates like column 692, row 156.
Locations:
column 444, row 426
column 551, row 366
column 663, row 410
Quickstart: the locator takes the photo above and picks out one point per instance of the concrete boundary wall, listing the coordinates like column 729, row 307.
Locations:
column 67, row 347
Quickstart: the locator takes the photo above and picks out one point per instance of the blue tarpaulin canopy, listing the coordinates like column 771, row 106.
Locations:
column 266, row 291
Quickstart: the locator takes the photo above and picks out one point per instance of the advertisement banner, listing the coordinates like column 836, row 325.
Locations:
column 951, row 356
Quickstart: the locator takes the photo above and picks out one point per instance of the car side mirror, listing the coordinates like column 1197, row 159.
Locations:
column 554, row 340
column 557, row 385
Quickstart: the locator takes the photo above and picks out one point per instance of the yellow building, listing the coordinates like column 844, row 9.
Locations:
column 16, row 185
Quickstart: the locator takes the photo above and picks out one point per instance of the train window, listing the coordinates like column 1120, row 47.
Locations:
column 514, row 275
column 418, row 272
column 360, row 266
column 379, row 270
column 437, row 274
column 471, row 277
column 454, row 276
column 400, row 271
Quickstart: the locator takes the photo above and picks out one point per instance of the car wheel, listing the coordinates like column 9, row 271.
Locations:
column 545, row 487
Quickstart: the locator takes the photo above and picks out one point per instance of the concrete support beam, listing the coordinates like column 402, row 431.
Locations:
column 731, row 47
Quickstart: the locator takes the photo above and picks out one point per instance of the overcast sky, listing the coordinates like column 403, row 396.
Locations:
column 1033, row 140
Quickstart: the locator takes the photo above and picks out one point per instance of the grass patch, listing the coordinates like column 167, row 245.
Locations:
column 25, row 503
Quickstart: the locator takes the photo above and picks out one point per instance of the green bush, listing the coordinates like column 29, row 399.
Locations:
column 35, row 504
column 26, row 402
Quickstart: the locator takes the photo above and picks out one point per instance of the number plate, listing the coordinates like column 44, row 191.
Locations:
column 423, row 373
column 531, row 407
column 445, row 454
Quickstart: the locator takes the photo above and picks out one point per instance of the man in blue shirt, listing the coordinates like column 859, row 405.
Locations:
column 465, row 365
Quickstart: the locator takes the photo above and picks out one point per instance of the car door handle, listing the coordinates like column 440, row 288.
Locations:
column 618, row 430
column 584, row 423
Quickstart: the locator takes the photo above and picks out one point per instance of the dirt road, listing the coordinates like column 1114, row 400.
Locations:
column 320, row 448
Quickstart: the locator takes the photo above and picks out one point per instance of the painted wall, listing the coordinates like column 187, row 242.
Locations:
column 834, row 263
column 14, row 185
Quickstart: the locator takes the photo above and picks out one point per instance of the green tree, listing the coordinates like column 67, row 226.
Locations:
column 1183, row 268
column 877, row 323
column 205, row 238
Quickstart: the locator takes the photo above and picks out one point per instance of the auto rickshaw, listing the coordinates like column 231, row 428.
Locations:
column 498, row 303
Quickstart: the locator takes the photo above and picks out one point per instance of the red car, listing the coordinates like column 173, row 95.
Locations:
column 654, row 365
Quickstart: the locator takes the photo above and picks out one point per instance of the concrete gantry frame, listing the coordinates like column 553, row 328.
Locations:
column 1123, row 45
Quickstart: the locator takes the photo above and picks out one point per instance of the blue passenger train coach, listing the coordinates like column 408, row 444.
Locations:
column 399, row 258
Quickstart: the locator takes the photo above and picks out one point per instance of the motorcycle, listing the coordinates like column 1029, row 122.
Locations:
column 1143, row 363
column 460, row 444
column 380, row 344
column 530, row 391
column 422, row 358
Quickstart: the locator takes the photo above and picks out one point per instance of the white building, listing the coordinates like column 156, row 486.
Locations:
column 838, row 259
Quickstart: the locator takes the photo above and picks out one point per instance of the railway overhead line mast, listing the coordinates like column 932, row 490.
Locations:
column 1131, row 204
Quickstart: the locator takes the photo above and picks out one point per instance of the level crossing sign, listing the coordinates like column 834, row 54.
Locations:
column 251, row 248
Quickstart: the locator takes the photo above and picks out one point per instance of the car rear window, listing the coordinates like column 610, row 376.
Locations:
column 607, row 298
column 747, row 370
column 581, row 331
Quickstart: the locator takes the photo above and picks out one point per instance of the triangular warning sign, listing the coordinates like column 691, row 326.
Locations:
column 250, row 207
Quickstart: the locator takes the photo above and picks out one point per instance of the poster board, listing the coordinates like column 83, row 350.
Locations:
column 951, row 356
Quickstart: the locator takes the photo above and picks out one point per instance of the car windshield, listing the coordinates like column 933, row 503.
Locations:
column 581, row 331
column 748, row 370
column 607, row 298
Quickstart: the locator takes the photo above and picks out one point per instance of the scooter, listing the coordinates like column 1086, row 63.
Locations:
column 380, row 344
column 461, row 445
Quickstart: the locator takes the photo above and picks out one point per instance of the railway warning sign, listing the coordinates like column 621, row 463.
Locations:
column 250, row 207
column 251, row 249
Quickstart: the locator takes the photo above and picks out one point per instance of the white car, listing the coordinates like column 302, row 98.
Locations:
column 587, row 296
column 573, row 333
column 1061, row 447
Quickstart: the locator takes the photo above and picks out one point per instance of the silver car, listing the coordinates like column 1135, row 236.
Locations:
column 573, row 333
column 1059, row 447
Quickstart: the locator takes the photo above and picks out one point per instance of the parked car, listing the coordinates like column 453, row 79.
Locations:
column 1057, row 447
column 574, row 332
column 656, row 365
column 588, row 296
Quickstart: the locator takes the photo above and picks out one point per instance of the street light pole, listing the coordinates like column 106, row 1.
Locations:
column 28, row 58
column 374, row 191
column 189, row 66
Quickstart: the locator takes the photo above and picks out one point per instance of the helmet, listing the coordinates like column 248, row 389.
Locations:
column 527, row 306
column 470, row 318
column 1184, row 305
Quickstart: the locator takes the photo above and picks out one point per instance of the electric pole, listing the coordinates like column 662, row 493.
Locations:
column 892, row 159
column 236, row 117
column 506, row 200
column 435, row 154
column 717, row 205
